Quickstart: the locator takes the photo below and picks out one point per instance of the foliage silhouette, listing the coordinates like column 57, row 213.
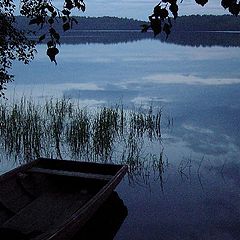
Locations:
column 15, row 45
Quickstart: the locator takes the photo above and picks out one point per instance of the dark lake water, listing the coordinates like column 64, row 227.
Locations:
column 195, row 194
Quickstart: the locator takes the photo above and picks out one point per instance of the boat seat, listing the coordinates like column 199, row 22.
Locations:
column 71, row 173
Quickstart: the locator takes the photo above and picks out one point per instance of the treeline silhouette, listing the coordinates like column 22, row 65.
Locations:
column 195, row 30
column 183, row 23
column 207, row 23
column 90, row 23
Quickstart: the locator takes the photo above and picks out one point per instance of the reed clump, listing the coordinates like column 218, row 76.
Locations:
column 60, row 129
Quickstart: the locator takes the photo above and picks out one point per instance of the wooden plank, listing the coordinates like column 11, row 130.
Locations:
column 79, row 166
column 71, row 174
column 47, row 212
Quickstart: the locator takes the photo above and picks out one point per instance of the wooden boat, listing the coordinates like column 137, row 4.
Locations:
column 53, row 199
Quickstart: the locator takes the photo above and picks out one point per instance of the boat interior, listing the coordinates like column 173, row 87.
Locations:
column 44, row 196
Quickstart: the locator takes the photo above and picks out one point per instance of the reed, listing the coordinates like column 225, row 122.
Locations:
column 78, row 133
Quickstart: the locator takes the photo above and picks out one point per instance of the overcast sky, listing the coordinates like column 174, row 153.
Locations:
column 140, row 9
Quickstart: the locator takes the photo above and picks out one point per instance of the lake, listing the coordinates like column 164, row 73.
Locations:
column 195, row 192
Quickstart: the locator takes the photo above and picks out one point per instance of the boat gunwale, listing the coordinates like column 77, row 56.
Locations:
column 21, row 168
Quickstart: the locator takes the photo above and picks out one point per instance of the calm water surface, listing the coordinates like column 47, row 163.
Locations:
column 196, row 193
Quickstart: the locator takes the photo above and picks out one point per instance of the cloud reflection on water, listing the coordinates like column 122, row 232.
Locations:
column 200, row 89
column 188, row 79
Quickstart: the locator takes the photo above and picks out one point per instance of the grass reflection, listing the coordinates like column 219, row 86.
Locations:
column 61, row 129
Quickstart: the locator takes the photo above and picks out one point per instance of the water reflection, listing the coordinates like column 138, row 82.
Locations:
column 106, row 221
column 198, row 202
column 194, row 38
column 61, row 129
column 186, row 185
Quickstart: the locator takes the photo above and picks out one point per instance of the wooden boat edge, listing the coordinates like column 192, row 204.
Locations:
column 16, row 170
column 30, row 164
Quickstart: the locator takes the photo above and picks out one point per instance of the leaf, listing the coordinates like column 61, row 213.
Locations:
column 227, row 3
column 52, row 31
column 163, row 13
column 50, row 20
column 38, row 20
column 78, row 4
column 52, row 52
column 66, row 26
column 33, row 21
column 201, row 2
column 54, row 14
column 157, row 10
column 174, row 9
column 66, row 12
column 169, row 1
column 50, row 8
column 83, row 7
column 64, row 18
column 41, row 38
column 156, row 26
column 145, row 27
column 50, row 44
column 56, row 36
column 234, row 9
column 69, row 4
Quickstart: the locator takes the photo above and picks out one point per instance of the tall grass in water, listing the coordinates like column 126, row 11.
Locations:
column 78, row 133
column 56, row 113
column 21, row 129
column 61, row 129
column 104, row 131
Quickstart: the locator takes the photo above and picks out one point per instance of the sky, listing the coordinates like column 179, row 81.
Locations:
column 140, row 9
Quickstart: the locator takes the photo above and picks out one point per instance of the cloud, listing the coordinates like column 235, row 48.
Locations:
column 197, row 129
column 48, row 90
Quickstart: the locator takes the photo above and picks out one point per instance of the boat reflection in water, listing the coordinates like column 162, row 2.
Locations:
column 106, row 221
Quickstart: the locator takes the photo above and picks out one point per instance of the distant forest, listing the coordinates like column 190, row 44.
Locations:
column 183, row 23
column 92, row 23
column 187, row 30
column 207, row 23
